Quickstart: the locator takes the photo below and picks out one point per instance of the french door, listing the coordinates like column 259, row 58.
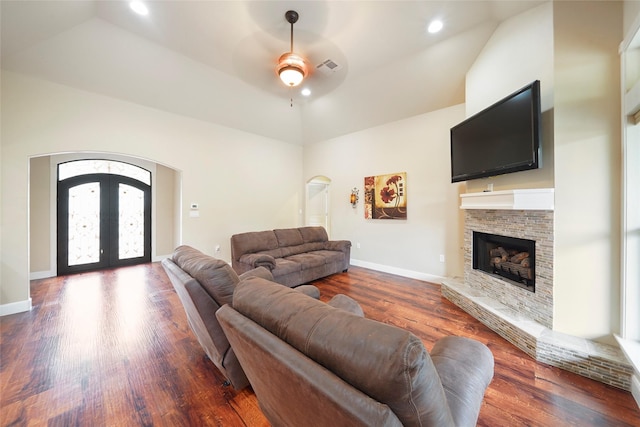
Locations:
column 104, row 220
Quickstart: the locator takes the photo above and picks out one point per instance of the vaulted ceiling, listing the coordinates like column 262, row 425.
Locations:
column 215, row 60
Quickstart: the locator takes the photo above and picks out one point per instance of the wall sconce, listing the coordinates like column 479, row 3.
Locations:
column 353, row 199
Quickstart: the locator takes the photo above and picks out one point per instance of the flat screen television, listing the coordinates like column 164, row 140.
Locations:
column 500, row 139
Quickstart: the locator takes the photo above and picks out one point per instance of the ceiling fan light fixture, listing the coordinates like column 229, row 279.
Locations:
column 291, row 67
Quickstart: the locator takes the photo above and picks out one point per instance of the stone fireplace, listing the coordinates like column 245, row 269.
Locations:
column 518, row 310
column 530, row 225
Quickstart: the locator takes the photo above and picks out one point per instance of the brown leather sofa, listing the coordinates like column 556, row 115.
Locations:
column 204, row 284
column 293, row 255
column 312, row 365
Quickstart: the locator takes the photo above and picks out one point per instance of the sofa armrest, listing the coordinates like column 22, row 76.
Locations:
column 346, row 303
column 309, row 290
column 259, row 260
column 465, row 367
column 338, row 245
column 263, row 272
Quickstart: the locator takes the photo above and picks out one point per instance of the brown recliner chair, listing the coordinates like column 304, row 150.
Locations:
column 312, row 365
column 204, row 284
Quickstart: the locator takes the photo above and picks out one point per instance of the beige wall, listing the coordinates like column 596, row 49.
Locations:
column 41, row 118
column 587, row 168
column 40, row 214
column 418, row 146
column 519, row 52
column 165, row 201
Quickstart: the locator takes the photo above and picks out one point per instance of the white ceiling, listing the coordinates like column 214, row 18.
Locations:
column 215, row 60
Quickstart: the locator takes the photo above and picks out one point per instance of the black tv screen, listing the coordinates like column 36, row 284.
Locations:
column 502, row 138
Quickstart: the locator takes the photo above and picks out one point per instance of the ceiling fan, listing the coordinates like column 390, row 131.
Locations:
column 309, row 69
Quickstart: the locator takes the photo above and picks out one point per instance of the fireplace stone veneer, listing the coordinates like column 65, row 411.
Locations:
column 525, row 318
column 521, row 224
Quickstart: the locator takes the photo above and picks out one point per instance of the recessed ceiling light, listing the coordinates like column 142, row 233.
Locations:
column 139, row 8
column 305, row 92
column 435, row 26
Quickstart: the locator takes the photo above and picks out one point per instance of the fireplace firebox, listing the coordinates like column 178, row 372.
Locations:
column 508, row 258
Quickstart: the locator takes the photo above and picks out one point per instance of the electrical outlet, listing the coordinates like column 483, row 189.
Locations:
column 217, row 248
column 441, row 258
column 358, row 245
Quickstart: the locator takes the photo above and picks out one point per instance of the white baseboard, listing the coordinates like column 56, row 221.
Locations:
column 35, row 275
column 15, row 307
column 635, row 389
column 398, row 271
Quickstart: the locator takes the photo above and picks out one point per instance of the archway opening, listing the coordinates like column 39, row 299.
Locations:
column 317, row 202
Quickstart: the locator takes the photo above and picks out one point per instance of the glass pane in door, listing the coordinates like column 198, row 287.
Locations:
column 93, row 166
column 130, row 222
column 84, row 224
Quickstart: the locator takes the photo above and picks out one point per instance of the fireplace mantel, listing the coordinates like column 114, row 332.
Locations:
column 524, row 199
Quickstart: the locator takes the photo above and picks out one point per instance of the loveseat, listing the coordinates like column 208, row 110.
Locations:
column 293, row 255
column 204, row 284
column 312, row 365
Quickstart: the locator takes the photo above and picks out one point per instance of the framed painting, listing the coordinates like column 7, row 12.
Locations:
column 385, row 196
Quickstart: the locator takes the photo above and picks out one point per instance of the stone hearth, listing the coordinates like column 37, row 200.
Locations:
column 521, row 317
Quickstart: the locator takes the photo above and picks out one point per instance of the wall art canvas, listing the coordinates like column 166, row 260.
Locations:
column 385, row 196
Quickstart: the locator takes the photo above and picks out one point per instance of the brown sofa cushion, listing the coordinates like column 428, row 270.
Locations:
column 330, row 256
column 183, row 253
column 214, row 275
column 288, row 237
column 314, row 234
column 286, row 251
column 285, row 266
column 387, row 363
column 307, row 260
column 255, row 241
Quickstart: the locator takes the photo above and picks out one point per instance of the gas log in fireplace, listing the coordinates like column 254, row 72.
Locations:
column 509, row 258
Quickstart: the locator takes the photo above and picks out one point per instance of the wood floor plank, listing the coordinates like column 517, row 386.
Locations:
column 114, row 348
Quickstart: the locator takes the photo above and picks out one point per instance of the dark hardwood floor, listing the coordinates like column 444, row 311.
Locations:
column 113, row 348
